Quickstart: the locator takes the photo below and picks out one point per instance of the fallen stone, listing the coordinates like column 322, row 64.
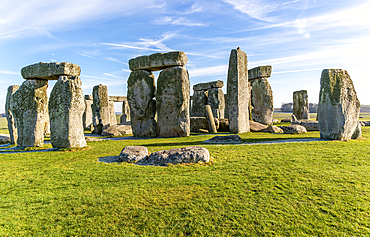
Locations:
column 256, row 127
column 259, row 72
column 12, row 128
column 237, row 94
column 203, row 130
column 275, row 121
column 308, row 124
column 231, row 139
column 300, row 105
column 294, row 129
column 93, row 139
column 216, row 100
column 210, row 119
column 117, row 130
column 273, row 129
column 158, row 61
column 66, row 107
column 29, row 107
column 339, row 107
column 197, row 123
column 4, row 139
column 116, row 98
column 193, row 154
column 133, row 154
column 140, row 96
column 287, row 120
column 50, row 71
column 208, row 85
column 100, row 108
column 173, row 97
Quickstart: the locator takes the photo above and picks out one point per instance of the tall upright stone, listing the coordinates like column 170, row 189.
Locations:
column 216, row 100
column 101, row 111
column 29, row 107
column 140, row 96
column 339, row 107
column 173, row 96
column 261, row 102
column 238, row 92
column 87, row 117
column 300, row 105
column 66, row 107
column 112, row 116
column 12, row 128
column 126, row 110
column 199, row 101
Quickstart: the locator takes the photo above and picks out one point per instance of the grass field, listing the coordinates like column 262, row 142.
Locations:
column 296, row 189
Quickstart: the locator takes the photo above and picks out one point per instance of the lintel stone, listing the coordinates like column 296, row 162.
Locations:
column 259, row 72
column 208, row 85
column 117, row 98
column 50, row 71
column 158, row 61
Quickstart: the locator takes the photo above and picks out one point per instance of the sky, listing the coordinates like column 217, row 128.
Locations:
column 298, row 38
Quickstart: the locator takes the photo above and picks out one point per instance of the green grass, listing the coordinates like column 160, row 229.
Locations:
column 297, row 189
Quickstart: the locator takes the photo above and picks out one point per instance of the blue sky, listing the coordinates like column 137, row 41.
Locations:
column 299, row 38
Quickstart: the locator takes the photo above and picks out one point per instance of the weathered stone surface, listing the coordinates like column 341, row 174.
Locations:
column 224, row 125
column 262, row 101
column 339, row 107
column 100, row 108
column 4, row 139
column 208, row 85
column 216, row 100
column 112, row 115
column 12, row 128
column 50, row 71
column 193, row 154
column 273, row 129
column 117, row 130
column 116, row 98
column 126, row 110
column 237, row 92
column 173, row 97
column 210, row 119
column 294, row 129
column 89, row 97
column 158, row 61
column 287, row 120
column 133, row 153
column 256, row 127
column 300, row 105
column 197, row 123
column 66, row 107
column 294, row 118
column 308, row 124
column 87, row 117
column 231, row 139
column 275, row 120
column 199, row 101
column 29, row 107
column 259, row 72
column 140, row 96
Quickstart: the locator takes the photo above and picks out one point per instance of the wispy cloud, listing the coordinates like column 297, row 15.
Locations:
column 111, row 75
column 114, row 60
column 9, row 72
column 181, row 21
column 207, row 71
column 85, row 55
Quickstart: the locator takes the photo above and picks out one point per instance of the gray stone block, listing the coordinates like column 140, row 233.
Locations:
column 158, row 61
column 12, row 128
column 50, row 71
column 208, row 85
column 259, row 72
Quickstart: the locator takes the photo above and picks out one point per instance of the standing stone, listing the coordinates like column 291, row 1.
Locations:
column 339, row 107
column 300, row 105
column 140, row 96
column 29, row 107
column 87, row 116
column 216, row 100
column 12, row 128
column 262, row 101
column 199, row 101
column 238, row 92
column 210, row 119
column 173, row 102
column 100, row 108
column 126, row 110
column 112, row 116
column 66, row 107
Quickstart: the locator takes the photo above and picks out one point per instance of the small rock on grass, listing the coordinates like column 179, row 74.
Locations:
column 232, row 139
column 133, row 153
column 293, row 129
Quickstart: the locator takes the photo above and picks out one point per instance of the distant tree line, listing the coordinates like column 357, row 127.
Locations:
column 288, row 107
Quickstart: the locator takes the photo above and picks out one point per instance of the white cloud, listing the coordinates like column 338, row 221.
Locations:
column 115, row 60
column 207, row 71
column 9, row 72
column 182, row 21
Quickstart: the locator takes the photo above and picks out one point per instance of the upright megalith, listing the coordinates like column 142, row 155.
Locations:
column 12, row 128
column 339, row 107
column 216, row 100
column 238, row 92
column 300, row 105
column 29, row 107
column 173, row 97
column 112, row 116
column 199, row 101
column 66, row 108
column 125, row 117
column 87, row 117
column 140, row 96
column 100, row 108
column 262, row 102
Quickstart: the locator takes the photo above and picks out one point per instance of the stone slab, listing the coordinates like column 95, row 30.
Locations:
column 158, row 61
column 117, row 98
column 259, row 72
column 208, row 85
column 50, row 71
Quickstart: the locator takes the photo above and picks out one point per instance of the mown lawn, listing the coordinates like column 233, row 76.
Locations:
column 296, row 189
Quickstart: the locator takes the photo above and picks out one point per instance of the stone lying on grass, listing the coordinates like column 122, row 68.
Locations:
column 275, row 121
column 293, row 129
column 232, row 139
column 256, row 127
column 117, row 130
column 193, row 154
column 133, row 153
column 4, row 139
column 273, row 129
column 93, row 139
column 308, row 124
column 286, row 120
column 197, row 123
column 50, row 71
